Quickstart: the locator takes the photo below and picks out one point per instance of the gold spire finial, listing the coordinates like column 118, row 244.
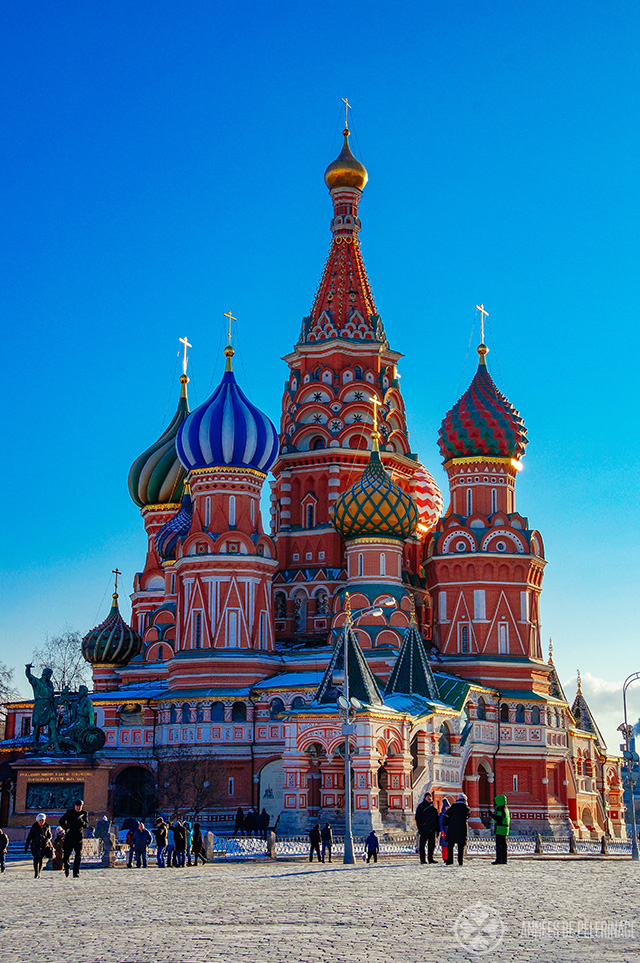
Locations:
column 347, row 605
column 184, row 380
column 228, row 351
column 550, row 651
column 375, row 434
column 115, row 571
column 579, row 682
column 482, row 348
column 347, row 108
column 412, row 602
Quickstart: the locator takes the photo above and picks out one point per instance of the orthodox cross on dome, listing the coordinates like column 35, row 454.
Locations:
column 228, row 351
column 550, row 651
column 375, row 435
column 116, row 571
column 347, row 108
column 186, row 345
column 579, row 682
column 483, row 313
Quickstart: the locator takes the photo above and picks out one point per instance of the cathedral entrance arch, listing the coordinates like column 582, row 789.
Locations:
column 134, row 792
column 316, row 754
column 383, row 794
column 271, row 790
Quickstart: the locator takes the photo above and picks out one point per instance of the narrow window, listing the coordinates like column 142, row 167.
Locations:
column 494, row 501
column 524, row 606
column 207, row 511
column 160, row 653
column 469, row 501
column 232, row 629
column 479, row 605
column 197, row 630
column 262, row 626
column 232, row 510
column 231, row 785
column 442, row 606
column 383, row 564
column 503, row 638
column 360, row 565
column 253, row 510
column 464, row 639
column 173, row 585
column 515, row 783
column 309, row 516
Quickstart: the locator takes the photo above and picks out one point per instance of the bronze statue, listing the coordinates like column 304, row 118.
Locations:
column 44, row 714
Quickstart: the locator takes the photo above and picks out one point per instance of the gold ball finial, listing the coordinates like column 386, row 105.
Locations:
column 579, row 682
column 345, row 170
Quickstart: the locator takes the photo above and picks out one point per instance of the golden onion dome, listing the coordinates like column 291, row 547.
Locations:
column 375, row 507
column 345, row 170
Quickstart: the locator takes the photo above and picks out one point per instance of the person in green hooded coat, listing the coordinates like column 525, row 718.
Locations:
column 502, row 819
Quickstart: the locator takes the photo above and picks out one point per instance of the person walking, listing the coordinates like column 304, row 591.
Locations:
column 197, row 845
column 39, row 842
column 265, row 819
column 373, row 846
column 188, row 826
column 457, row 822
column 502, row 819
column 129, row 842
column 160, row 832
column 327, row 841
column 142, row 838
column 74, row 822
column 4, row 842
column 315, row 838
column 444, row 849
column 171, row 846
column 428, row 823
column 249, row 823
column 239, row 823
column 180, row 839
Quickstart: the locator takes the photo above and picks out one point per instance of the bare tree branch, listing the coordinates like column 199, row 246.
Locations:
column 63, row 654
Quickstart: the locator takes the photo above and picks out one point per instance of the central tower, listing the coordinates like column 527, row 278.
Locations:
column 340, row 365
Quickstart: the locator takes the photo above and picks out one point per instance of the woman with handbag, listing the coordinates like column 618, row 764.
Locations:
column 444, row 849
column 39, row 841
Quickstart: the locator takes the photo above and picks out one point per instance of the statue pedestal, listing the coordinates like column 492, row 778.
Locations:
column 51, row 784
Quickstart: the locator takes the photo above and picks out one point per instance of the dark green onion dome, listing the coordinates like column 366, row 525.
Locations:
column 157, row 476
column 166, row 541
column 112, row 642
column 375, row 507
column 482, row 422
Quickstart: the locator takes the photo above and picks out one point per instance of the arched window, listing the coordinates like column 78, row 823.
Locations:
column 316, row 444
column 504, row 713
column 535, row 716
column 239, row 712
column 199, row 712
column 186, row 712
column 520, row 713
column 310, row 513
column 173, row 714
column 232, row 510
column 280, row 605
column 444, row 742
column 217, row 712
column 276, row 708
column 298, row 703
column 481, row 710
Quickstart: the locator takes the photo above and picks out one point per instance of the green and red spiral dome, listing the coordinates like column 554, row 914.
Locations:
column 113, row 642
column 482, row 422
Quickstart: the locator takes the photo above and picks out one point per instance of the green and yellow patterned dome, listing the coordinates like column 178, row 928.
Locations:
column 375, row 507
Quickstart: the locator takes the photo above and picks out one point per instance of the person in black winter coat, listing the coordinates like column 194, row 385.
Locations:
column 315, row 837
column 197, row 844
column 239, row 823
column 4, row 842
column 142, row 838
column 457, row 822
column 39, row 841
column 250, row 822
column 73, row 822
column 428, row 823
column 160, row 832
column 180, row 841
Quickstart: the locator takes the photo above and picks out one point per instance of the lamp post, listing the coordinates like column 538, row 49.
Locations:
column 350, row 706
column 631, row 759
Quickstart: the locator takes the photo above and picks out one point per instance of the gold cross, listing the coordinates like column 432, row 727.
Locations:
column 227, row 314
column 373, row 399
column 480, row 308
column 184, row 357
column 347, row 107
column 116, row 571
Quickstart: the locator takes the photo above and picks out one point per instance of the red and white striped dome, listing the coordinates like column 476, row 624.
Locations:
column 428, row 499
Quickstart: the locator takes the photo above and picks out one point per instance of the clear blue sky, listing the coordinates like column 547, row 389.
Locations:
column 163, row 162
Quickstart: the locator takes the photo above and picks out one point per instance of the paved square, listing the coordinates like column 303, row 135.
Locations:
column 292, row 911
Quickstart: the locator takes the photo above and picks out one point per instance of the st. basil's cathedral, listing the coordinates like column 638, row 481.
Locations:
column 239, row 638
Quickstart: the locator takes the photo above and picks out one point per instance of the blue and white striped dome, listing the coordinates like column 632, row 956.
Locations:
column 227, row 430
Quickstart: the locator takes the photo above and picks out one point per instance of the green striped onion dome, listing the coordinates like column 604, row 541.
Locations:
column 157, row 476
column 375, row 507
column 112, row 642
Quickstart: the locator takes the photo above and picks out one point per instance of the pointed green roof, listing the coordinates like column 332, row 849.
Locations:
column 362, row 683
column 412, row 675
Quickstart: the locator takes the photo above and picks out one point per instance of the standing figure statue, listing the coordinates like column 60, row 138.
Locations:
column 44, row 712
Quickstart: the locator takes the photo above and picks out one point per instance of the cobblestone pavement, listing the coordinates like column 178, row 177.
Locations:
column 560, row 910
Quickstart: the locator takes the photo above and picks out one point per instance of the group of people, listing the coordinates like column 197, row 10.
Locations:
column 177, row 844
column 451, row 825
column 321, row 843
column 246, row 824
column 68, row 840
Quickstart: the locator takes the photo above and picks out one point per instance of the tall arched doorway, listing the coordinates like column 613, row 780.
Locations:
column 135, row 792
